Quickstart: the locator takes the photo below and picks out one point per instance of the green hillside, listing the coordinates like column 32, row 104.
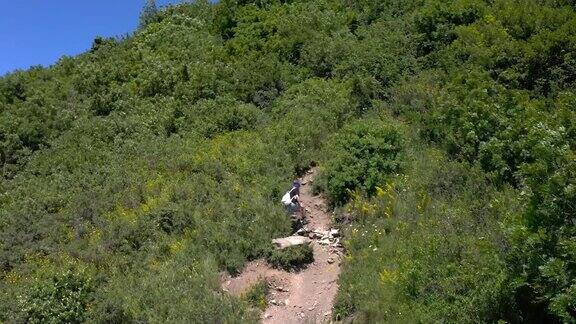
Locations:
column 445, row 131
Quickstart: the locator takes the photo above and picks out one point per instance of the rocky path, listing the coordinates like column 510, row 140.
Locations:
column 306, row 296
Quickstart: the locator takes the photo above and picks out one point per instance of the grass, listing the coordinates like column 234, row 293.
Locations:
column 427, row 246
column 291, row 258
column 257, row 295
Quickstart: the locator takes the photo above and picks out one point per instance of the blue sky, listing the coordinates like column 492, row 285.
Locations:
column 38, row 32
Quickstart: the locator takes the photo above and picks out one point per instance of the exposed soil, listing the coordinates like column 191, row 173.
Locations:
column 306, row 296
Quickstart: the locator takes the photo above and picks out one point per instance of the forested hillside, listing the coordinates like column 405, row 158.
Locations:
column 445, row 132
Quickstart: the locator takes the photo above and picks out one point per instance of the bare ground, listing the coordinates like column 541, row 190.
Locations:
column 306, row 296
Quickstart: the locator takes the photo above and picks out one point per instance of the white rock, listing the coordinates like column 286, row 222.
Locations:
column 324, row 242
column 282, row 243
column 302, row 231
column 334, row 233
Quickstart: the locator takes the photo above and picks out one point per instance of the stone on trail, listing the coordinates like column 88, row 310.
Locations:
column 302, row 231
column 276, row 303
column 319, row 234
column 324, row 242
column 333, row 233
column 282, row 243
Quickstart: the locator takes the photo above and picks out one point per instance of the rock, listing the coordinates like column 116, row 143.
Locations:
column 324, row 242
column 334, row 233
column 330, row 261
column 322, row 233
column 311, row 308
column 316, row 235
column 302, row 231
column 276, row 303
column 267, row 315
column 282, row 243
column 338, row 245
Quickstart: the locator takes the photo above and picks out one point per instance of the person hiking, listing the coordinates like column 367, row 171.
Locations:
column 291, row 199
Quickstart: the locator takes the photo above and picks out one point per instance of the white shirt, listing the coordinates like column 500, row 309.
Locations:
column 286, row 199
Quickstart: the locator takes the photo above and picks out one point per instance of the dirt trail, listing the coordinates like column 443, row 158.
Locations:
column 306, row 296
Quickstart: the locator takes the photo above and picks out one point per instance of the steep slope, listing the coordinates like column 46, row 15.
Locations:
column 445, row 134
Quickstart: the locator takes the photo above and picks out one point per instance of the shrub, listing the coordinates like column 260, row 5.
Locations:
column 427, row 247
column 210, row 117
column 291, row 258
column 257, row 295
column 360, row 157
column 61, row 298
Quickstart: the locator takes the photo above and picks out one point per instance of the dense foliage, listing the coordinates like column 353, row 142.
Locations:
column 359, row 158
column 427, row 245
column 445, row 130
column 258, row 294
column 291, row 258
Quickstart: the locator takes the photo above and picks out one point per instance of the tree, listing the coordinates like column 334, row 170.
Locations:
column 149, row 13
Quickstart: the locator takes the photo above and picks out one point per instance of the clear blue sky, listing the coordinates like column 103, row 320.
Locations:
column 38, row 32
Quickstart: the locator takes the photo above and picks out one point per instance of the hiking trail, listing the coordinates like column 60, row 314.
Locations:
column 307, row 295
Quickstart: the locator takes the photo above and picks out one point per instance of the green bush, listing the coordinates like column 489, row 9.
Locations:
column 361, row 157
column 216, row 116
column 427, row 247
column 61, row 298
column 291, row 258
column 257, row 295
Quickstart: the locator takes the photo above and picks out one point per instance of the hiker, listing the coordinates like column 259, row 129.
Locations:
column 291, row 200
